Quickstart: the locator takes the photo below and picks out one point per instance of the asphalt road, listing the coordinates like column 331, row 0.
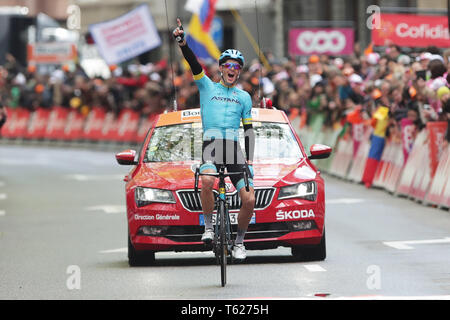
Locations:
column 63, row 236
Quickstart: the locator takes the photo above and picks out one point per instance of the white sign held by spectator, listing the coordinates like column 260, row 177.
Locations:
column 127, row 36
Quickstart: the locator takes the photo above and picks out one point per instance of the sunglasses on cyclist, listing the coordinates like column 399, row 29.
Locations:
column 231, row 65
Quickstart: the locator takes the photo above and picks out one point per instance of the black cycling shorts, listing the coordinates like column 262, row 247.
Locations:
column 221, row 151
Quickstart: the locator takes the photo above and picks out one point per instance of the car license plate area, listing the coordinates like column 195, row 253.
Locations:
column 233, row 218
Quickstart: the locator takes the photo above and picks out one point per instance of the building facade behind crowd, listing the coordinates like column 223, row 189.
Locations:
column 332, row 89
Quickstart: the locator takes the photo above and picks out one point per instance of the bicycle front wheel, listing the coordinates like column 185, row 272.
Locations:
column 223, row 244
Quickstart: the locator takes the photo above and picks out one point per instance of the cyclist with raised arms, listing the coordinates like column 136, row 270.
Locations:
column 222, row 106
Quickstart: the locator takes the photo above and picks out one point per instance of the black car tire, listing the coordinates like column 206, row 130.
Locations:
column 316, row 252
column 139, row 258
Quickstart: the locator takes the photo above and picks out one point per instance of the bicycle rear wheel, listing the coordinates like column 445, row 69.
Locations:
column 223, row 244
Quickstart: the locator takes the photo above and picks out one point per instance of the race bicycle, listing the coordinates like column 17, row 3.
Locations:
column 223, row 241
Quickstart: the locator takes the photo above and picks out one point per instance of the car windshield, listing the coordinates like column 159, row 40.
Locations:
column 183, row 142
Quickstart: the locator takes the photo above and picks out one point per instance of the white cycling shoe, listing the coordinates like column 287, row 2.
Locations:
column 208, row 236
column 239, row 252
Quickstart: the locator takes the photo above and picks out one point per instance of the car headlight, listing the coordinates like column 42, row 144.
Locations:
column 305, row 190
column 146, row 196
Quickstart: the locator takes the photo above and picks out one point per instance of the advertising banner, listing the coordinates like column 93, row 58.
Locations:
column 51, row 53
column 127, row 36
column 410, row 30
column 16, row 124
column 38, row 124
column 436, row 136
column 332, row 41
column 56, row 123
column 94, row 124
column 408, row 136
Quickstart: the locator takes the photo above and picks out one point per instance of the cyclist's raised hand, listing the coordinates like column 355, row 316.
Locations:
column 178, row 33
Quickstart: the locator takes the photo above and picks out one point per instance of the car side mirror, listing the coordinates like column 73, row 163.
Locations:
column 126, row 157
column 319, row 151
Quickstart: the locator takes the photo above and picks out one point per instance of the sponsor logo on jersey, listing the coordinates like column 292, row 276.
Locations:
column 225, row 99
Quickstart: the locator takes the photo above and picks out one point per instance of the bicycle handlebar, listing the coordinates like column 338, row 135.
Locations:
column 221, row 173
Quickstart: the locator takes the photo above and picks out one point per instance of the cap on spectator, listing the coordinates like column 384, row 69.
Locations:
column 178, row 81
column 376, row 94
column 155, row 76
column 412, row 92
column 302, row 69
column 315, row 79
column 437, row 83
column 373, row 58
column 268, row 86
column 314, row 59
column 442, row 91
column 404, row 59
column 436, row 57
column 355, row 78
column 39, row 88
column 65, row 68
column 339, row 63
column 424, row 56
column 31, row 68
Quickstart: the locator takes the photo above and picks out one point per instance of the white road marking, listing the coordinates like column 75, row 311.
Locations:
column 108, row 208
column 314, row 268
column 344, row 201
column 119, row 250
column 3, row 196
column 406, row 245
column 2, row 213
column 95, row 177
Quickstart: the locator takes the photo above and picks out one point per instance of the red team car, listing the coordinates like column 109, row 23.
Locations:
column 164, row 212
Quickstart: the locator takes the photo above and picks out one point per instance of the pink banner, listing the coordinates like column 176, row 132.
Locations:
column 332, row 41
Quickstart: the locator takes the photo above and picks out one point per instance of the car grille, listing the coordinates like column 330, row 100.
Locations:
column 191, row 200
column 255, row 231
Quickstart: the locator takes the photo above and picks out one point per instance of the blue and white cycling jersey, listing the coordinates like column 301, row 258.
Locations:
column 222, row 108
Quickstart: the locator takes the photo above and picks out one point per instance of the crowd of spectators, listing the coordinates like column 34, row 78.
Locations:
column 414, row 86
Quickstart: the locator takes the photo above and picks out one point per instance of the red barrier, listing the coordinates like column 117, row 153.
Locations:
column 16, row 124
column 445, row 197
column 127, row 126
column 390, row 167
column 109, row 127
column 359, row 160
column 60, row 123
column 75, row 125
column 94, row 124
column 56, row 123
column 422, row 177
column 436, row 134
column 414, row 161
column 144, row 126
column 439, row 193
column 38, row 124
column 342, row 158
column 395, row 169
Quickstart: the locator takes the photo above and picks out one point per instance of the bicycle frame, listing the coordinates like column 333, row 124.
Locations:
column 223, row 242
